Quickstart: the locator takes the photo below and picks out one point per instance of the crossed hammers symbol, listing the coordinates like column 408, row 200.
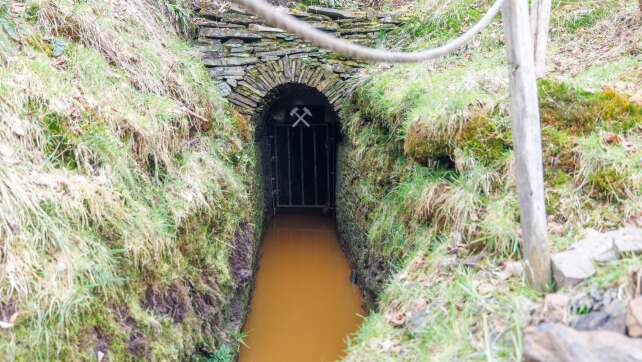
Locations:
column 300, row 116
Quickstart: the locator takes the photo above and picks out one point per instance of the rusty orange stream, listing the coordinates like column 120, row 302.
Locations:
column 304, row 306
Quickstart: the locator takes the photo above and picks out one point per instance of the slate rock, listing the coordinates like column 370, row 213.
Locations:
column 628, row 241
column 611, row 318
column 227, row 71
column 570, row 268
column 263, row 28
column 596, row 246
column 556, row 307
column 555, row 342
column 224, row 89
column 416, row 320
column 225, row 33
column 332, row 13
column 229, row 61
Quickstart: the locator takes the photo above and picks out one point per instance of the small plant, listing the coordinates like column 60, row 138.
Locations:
column 223, row 354
column 583, row 19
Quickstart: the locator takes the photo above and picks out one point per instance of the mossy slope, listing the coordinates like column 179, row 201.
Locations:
column 123, row 197
column 427, row 201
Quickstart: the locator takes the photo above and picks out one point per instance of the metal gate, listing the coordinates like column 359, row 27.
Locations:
column 303, row 162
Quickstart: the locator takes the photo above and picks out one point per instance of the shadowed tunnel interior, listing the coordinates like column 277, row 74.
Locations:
column 303, row 304
column 299, row 130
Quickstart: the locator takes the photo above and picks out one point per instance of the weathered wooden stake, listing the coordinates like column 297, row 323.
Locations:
column 524, row 111
column 540, row 20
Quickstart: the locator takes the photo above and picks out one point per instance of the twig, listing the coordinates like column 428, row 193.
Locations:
column 195, row 115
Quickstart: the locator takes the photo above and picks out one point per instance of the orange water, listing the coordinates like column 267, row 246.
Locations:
column 304, row 306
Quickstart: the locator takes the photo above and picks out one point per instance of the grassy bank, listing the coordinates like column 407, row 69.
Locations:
column 126, row 221
column 427, row 196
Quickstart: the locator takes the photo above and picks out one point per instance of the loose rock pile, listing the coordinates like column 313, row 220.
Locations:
column 247, row 58
column 601, row 325
column 576, row 264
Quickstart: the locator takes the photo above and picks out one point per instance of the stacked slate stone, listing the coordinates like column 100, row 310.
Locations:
column 247, row 58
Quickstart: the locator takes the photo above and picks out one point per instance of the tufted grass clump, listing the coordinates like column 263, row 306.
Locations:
column 121, row 180
column 449, row 220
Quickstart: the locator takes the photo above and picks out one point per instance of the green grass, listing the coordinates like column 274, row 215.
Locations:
column 428, row 159
column 113, row 188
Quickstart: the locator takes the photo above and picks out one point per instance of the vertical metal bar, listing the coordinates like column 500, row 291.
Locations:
column 314, row 148
column 289, row 168
column 275, row 129
column 327, row 163
column 301, row 163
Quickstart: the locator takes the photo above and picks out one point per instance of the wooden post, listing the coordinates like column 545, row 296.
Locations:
column 540, row 20
column 524, row 111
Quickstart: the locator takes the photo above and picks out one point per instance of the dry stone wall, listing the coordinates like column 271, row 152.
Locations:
column 247, row 59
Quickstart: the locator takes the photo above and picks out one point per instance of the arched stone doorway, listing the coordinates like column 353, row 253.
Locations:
column 297, row 131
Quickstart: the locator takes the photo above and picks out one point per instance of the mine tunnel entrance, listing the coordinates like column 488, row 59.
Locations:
column 303, row 303
column 302, row 130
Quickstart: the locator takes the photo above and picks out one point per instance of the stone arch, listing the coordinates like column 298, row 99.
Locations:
column 246, row 58
column 250, row 93
column 277, row 92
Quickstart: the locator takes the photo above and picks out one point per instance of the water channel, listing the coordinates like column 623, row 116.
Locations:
column 304, row 306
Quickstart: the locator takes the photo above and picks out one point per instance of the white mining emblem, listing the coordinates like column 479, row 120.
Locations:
column 300, row 116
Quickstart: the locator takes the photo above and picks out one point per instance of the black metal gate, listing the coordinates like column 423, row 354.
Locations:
column 303, row 161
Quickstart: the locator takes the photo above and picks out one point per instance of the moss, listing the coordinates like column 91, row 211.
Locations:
column 138, row 173
column 559, row 150
column 608, row 184
column 581, row 112
column 485, row 140
column 615, row 110
column 422, row 147
column 38, row 43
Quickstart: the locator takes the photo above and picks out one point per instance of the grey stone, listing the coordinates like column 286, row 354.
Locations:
column 611, row 319
column 306, row 16
column 242, row 101
column 416, row 320
column 570, row 268
column 325, row 25
column 555, row 342
column 206, row 23
column 227, row 71
column 362, row 29
column 288, row 51
column 227, row 17
column 270, row 58
column 332, row 13
column 224, row 62
column 207, row 42
column 212, row 53
column 245, row 54
column 263, row 28
column 224, row 33
column 237, row 50
column 224, row 89
column 596, row 246
column 628, row 240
